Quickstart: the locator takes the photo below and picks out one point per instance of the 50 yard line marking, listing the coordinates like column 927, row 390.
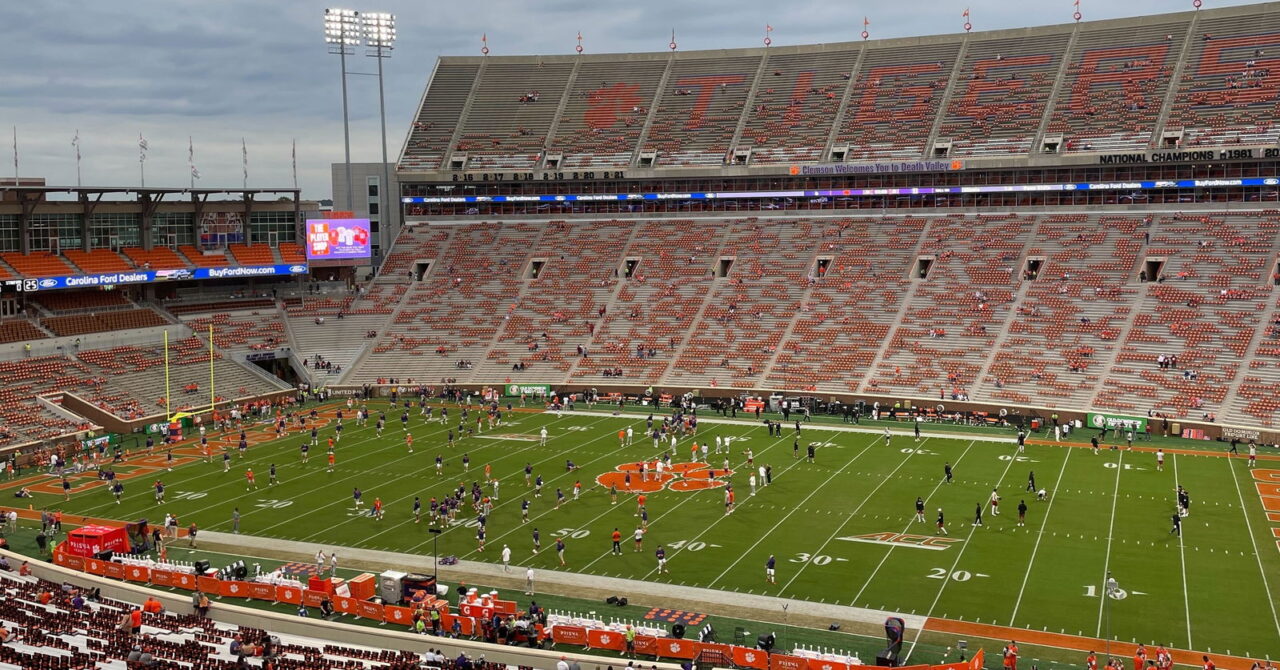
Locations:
column 1182, row 557
column 1043, row 524
column 1257, row 554
column 686, row 499
column 1106, row 563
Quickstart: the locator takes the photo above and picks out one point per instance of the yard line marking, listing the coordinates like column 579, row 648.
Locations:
column 1182, row 557
column 393, row 502
column 279, row 444
column 552, row 510
column 1256, row 554
column 686, row 499
column 1106, row 563
column 781, row 521
column 865, row 498
column 611, row 452
column 960, row 554
column 885, row 558
column 1039, row 536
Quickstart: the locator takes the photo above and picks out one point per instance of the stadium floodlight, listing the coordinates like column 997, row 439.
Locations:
column 379, row 31
column 342, row 34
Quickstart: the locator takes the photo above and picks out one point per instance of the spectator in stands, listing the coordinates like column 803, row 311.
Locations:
column 5, row 635
column 200, row 603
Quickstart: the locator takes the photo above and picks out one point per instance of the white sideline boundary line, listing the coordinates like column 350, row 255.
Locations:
column 837, row 428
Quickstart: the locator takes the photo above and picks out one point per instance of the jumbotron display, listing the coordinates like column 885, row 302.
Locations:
column 338, row 239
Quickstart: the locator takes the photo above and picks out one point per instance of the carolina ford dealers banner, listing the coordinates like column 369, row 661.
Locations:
column 149, row 276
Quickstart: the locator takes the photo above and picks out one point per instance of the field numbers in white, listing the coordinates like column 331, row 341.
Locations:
column 819, row 559
column 272, row 503
column 189, row 495
column 577, row 534
column 958, row 575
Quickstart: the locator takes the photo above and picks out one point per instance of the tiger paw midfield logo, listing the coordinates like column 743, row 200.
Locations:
column 637, row 478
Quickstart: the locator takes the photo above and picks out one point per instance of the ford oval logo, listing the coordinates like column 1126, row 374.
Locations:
column 48, row 283
column 297, row 269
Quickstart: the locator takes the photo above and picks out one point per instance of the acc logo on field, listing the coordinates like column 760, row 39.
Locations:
column 681, row 477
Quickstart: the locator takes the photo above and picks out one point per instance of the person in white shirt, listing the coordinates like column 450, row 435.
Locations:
column 562, row 664
column 764, row 481
column 320, row 560
column 333, row 564
column 544, row 437
column 528, row 581
column 506, row 558
column 630, row 435
column 719, row 443
column 752, row 481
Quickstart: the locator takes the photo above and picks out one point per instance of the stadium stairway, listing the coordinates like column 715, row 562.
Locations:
column 903, row 305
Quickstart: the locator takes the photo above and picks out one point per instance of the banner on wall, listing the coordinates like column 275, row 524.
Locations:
column 152, row 276
column 1115, row 421
column 536, row 390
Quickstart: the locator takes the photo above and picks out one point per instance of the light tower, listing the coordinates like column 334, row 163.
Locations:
column 342, row 34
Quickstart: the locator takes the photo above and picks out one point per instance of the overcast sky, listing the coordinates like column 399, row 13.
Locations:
column 258, row 69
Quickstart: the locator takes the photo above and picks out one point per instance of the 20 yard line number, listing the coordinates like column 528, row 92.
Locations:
column 958, row 575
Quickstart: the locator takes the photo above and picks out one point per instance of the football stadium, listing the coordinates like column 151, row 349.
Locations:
column 949, row 351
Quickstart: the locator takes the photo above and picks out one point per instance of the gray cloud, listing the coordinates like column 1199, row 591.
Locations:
column 219, row 71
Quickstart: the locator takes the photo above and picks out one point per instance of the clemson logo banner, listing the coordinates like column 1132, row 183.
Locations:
column 643, row 477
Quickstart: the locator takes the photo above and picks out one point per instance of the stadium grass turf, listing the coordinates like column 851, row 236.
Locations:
column 1108, row 512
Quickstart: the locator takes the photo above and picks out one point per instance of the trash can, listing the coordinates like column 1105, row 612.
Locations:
column 1035, row 424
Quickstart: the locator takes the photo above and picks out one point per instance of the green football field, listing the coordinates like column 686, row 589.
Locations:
column 842, row 528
